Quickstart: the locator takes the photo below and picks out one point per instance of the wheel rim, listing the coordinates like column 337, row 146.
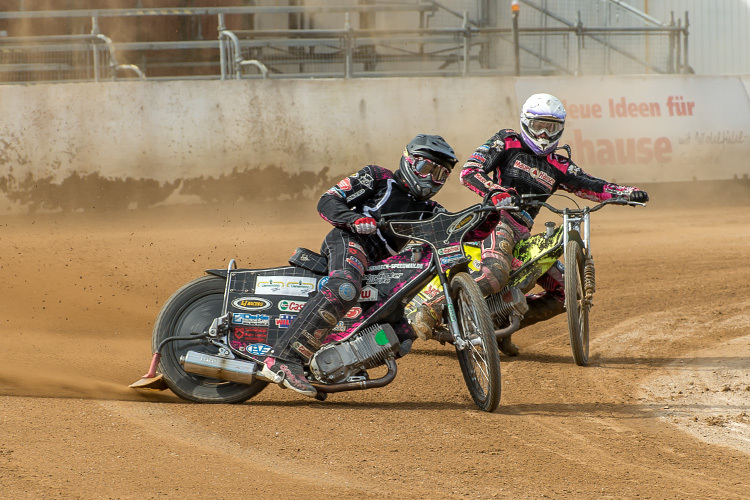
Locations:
column 474, row 353
column 195, row 318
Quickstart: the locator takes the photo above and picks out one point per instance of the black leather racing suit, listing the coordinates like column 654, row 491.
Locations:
column 504, row 162
column 371, row 192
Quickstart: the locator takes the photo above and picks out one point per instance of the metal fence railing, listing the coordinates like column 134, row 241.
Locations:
column 352, row 40
column 61, row 58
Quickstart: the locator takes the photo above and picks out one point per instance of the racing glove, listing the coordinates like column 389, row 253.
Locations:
column 365, row 225
column 504, row 198
column 638, row 196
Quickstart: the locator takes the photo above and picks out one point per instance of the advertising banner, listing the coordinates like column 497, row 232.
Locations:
column 653, row 128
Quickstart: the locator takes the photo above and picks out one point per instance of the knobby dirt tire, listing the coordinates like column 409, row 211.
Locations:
column 575, row 303
column 480, row 361
column 190, row 310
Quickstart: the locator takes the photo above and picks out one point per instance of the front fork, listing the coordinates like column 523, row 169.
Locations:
column 582, row 224
column 458, row 341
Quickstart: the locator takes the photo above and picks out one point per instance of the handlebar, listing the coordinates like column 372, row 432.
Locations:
column 528, row 201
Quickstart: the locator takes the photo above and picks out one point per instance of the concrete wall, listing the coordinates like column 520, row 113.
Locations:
column 126, row 144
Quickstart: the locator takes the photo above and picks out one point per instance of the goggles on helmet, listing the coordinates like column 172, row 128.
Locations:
column 539, row 126
column 428, row 168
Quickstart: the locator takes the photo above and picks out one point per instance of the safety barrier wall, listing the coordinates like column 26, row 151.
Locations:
column 137, row 144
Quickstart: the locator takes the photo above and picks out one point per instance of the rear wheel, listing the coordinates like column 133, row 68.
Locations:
column 190, row 311
column 576, row 304
column 480, row 360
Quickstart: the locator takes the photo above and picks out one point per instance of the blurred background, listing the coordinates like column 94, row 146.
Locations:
column 169, row 101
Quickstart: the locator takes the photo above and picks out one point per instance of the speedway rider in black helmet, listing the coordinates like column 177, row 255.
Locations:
column 512, row 163
column 353, row 207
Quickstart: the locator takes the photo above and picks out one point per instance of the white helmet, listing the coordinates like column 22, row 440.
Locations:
column 542, row 123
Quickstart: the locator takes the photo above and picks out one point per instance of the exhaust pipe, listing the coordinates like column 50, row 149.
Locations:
column 207, row 365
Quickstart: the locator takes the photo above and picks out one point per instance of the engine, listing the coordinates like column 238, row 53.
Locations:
column 503, row 303
column 336, row 363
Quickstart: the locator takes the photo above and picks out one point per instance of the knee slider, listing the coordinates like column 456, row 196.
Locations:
column 344, row 287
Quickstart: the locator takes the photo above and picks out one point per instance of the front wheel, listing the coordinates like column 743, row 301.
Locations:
column 576, row 303
column 190, row 311
column 480, row 359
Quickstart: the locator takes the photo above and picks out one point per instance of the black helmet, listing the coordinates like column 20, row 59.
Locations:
column 425, row 165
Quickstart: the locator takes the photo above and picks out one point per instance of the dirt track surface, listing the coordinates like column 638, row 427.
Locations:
column 662, row 412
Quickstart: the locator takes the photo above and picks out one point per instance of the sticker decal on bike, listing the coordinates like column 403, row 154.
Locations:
column 291, row 305
column 285, row 285
column 251, row 304
column 450, row 260
column 258, row 349
column 382, row 278
column 368, row 294
column 251, row 319
column 284, row 320
column 449, row 250
column 353, row 313
column 460, row 224
column 250, row 334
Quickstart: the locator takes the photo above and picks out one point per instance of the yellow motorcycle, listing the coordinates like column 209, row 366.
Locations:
column 569, row 241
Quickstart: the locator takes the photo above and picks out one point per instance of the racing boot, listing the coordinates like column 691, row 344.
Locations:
column 507, row 347
column 497, row 258
column 284, row 363
column 542, row 306
column 307, row 332
column 427, row 317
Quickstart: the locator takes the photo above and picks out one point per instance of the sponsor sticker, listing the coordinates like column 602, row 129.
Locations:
column 368, row 294
column 353, row 313
column 328, row 317
column 258, row 349
column 291, row 305
column 250, row 333
column 285, row 285
column 347, row 291
column 251, row 319
column 459, row 224
column 449, row 260
column 356, row 263
column 382, row 277
column 355, row 194
column 403, row 265
column 345, row 184
column 449, row 250
column 535, row 173
column 251, row 304
column 284, row 320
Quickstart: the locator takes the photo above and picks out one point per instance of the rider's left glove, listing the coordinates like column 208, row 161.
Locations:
column 365, row 225
column 638, row 196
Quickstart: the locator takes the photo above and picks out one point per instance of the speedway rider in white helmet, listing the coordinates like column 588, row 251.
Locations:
column 512, row 163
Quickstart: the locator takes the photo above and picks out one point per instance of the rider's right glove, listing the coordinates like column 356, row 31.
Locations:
column 638, row 196
column 365, row 225
column 505, row 198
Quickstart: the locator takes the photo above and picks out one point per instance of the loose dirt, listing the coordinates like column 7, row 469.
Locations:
column 662, row 411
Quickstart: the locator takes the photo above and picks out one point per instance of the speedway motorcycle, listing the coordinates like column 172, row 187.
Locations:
column 209, row 332
column 569, row 242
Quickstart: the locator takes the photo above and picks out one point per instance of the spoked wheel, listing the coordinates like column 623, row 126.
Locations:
column 480, row 360
column 190, row 311
column 576, row 304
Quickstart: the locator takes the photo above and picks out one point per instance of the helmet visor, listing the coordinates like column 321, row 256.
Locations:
column 538, row 126
column 428, row 168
